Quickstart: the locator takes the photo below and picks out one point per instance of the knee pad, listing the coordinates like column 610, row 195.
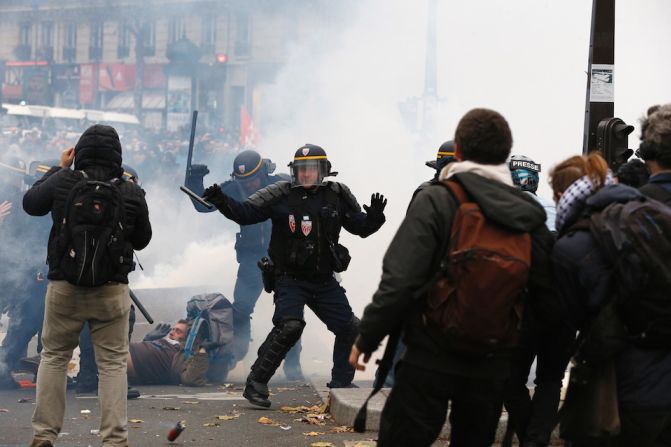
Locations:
column 291, row 330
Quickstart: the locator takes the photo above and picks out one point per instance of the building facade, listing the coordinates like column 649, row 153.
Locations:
column 169, row 56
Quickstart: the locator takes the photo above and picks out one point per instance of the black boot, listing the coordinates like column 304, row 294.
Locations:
column 342, row 372
column 256, row 393
column 270, row 355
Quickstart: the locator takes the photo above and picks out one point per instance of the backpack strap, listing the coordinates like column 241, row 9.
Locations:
column 458, row 192
column 384, row 366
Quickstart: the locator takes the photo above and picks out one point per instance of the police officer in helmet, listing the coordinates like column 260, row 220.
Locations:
column 251, row 172
column 307, row 215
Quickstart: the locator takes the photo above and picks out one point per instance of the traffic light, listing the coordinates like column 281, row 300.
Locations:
column 612, row 139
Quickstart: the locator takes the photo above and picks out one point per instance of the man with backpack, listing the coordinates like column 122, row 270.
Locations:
column 454, row 276
column 98, row 220
column 655, row 150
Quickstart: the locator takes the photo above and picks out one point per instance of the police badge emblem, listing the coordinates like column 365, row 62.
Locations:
column 306, row 151
column 292, row 223
column 241, row 168
column 306, row 227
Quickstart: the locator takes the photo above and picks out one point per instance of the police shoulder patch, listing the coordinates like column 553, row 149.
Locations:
column 343, row 191
column 271, row 194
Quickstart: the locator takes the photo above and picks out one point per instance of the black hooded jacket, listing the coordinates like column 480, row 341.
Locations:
column 584, row 279
column 412, row 262
column 98, row 153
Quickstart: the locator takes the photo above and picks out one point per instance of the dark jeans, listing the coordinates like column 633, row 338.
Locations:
column 327, row 299
column 416, row 408
column 248, row 288
column 25, row 321
column 534, row 419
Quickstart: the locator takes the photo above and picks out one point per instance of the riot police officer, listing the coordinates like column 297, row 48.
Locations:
column 307, row 215
column 251, row 172
column 23, row 280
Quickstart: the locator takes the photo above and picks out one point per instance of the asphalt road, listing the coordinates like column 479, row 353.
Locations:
column 161, row 407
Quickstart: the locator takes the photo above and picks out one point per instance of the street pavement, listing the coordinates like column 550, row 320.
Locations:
column 160, row 407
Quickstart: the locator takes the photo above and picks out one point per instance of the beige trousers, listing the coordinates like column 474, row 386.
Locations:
column 67, row 307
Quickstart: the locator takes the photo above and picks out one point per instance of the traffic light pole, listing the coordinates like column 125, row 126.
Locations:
column 600, row 100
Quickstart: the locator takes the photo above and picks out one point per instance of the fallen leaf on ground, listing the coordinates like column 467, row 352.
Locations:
column 267, row 421
column 23, row 400
column 172, row 408
column 322, row 444
column 342, row 429
column 300, row 409
column 211, row 424
column 313, row 433
column 191, row 402
column 285, row 427
column 4, row 410
column 228, row 417
column 85, row 412
column 135, row 421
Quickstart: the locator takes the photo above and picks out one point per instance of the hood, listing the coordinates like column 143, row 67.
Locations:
column 98, row 145
column 500, row 173
column 610, row 194
column 502, row 203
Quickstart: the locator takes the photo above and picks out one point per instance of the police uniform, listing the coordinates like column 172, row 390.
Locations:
column 251, row 244
column 304, row 248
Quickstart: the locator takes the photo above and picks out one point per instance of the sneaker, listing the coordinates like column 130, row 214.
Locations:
column 256, row 393
column 7, row 382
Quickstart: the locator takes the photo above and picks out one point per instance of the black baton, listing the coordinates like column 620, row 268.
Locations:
column 196, row 197
column 139, row 305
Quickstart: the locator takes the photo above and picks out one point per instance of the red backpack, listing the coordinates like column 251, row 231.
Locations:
column 477, row 301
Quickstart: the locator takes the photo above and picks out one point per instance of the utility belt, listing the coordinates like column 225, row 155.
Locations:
column 270, row 275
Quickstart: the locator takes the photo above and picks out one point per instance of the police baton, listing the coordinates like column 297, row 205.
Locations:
column 192, row 138
column 139, row 305
column 196, row 197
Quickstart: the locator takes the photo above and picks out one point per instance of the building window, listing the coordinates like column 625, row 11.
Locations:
column 175, row 29
column 25, row 33
column 150, row 39
column 46, row 50
column 70, row 42
column 123, row 49
column 208, row 35
column 243, row 34
column 96, row 41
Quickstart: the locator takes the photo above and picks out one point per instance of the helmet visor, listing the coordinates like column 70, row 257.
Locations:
column 308, row 173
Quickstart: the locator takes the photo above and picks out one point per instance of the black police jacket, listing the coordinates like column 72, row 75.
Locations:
column 251, row 237
column 50, row 194
column 305, row 223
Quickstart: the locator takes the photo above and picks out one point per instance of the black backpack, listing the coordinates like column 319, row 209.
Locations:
column 91, row 244
column 636, row 237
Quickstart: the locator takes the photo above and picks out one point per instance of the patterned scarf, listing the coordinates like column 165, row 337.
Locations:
column 573, row 199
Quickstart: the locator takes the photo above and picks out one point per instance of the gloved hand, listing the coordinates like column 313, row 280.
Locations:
column 199, row 171
column 160, row 331
column 377, row 204
column 212, row 193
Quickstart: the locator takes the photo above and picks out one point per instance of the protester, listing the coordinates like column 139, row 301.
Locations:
column 441, row 367
column 91, row 198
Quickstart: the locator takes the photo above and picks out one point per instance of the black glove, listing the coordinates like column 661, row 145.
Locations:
column 377, row 204
column 198, row 171
column 160, row 331
column 215, row 196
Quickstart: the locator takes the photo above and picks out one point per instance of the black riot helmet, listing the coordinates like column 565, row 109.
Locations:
column 444, row 156
column 130, row 174
column 310, row 166
column 249, row 164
